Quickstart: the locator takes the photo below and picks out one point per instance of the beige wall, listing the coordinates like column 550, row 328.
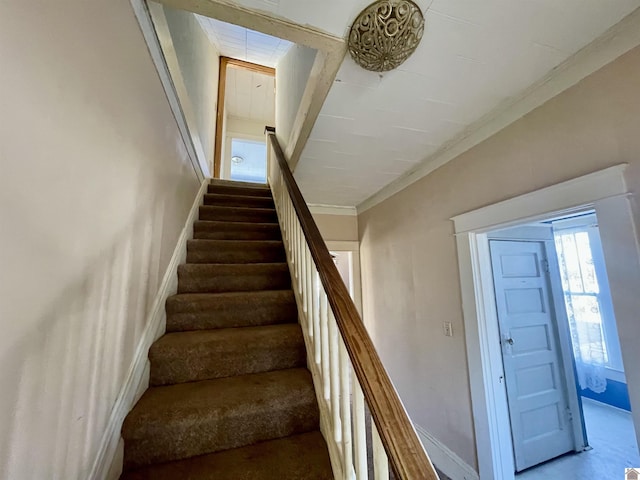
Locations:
column 409, row 262
column 95, row 186
column 337, row 227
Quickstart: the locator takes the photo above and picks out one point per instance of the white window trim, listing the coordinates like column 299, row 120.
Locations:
column 607, row 193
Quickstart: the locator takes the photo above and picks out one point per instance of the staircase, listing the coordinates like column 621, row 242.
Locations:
column 230, row 396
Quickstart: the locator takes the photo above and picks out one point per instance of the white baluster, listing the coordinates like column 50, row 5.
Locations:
column 324, row 341
column 345, row 410
column 310, row 269
column 316, row 316
column 304, row 265
column 334, row 366
column 289, row 226
column 290, row 216
column 311, row 273
column 380, row 460
column 296, row 250
column 299, row 247
column 359, row 432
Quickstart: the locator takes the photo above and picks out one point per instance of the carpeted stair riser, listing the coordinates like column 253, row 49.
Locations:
column 193, row 356
column 212, row 278
column 190, row 419
column 237, row 184
column 202, row 311
column 249, row 201
column 298, row 457
column 210, row 230
column 247, row 191
column 235, row 251
column 238, row 214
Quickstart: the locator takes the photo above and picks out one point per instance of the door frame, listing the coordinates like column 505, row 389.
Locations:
column 607, row 193
column 226, row 62
column 353, row 247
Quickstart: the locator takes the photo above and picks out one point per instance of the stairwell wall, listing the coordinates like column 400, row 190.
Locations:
column 292, row 78
column 408, row 250
column 194, row 63
column 95, row 187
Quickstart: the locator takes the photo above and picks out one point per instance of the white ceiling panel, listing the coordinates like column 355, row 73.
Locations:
column 250, row 95
column 475, row 56
column 244, row 44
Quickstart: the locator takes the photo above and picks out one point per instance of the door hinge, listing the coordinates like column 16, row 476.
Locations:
column 569, row 414
column 545, row 265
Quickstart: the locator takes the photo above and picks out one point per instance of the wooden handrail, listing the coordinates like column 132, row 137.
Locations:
column 406, row 455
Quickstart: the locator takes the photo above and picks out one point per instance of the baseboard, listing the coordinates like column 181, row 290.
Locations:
column 442, row 457
column 155, row 325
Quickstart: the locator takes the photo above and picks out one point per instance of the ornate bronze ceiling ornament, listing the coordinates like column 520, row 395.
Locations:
column 385, row 34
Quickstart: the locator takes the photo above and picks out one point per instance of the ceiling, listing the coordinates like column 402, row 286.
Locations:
column 250, row 95
column 238, row 42
column 475, row 56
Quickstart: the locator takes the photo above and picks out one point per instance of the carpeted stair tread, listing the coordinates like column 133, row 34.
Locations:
column 226, row 199
column 217, row 278
column 201, row 311
column 238, row 184
column 297, row 457
column 235, row 251
column 221, row 230
column 247, row 190
column 189, row 419
column 208, row 354
column 238, row 214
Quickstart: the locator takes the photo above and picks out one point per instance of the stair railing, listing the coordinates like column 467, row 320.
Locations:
column 338, row 344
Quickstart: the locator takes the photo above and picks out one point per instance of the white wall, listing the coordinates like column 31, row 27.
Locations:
column 292, row 75
column 194, row 64
column 245, row 126
column 95, row 187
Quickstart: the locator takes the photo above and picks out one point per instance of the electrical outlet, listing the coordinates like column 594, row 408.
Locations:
column 448, row 329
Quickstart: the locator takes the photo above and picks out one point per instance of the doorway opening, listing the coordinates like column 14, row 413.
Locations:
column 563, row 370
column 246, row 104
column 606, row 193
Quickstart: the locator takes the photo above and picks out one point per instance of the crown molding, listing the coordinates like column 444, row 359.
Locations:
column 319, row 209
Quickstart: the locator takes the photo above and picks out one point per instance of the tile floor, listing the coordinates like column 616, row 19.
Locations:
column 613, row 442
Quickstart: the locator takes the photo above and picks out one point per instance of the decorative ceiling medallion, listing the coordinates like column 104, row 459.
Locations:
column 385, row 34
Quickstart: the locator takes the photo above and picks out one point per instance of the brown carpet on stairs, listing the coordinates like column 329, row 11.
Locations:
column 230, row 397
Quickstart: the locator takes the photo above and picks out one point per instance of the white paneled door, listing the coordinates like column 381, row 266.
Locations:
column 534, row 373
